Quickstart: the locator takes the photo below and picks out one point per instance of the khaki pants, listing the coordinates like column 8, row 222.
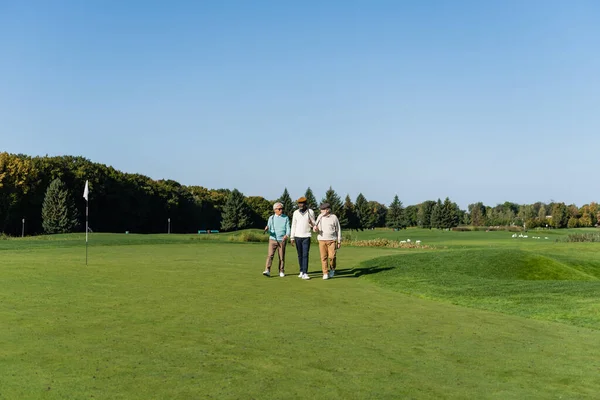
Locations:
column 328, row 250
column 280, row 248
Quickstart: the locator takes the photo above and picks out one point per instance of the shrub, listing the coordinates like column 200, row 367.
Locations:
column 249, row 237
column 394, row 244
column 580, row 237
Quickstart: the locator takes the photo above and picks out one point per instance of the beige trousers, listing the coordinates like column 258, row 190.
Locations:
column 280, row 248
column 328, row 250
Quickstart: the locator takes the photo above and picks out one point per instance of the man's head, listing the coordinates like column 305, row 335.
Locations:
column 325, row 208
column 278, row 208
column 301, row 203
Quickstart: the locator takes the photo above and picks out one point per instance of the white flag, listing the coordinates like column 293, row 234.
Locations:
column 86, row 191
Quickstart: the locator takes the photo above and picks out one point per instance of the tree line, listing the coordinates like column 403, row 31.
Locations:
column 47, row 192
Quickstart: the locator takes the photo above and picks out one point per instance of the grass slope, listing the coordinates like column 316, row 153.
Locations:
column 513, row 281
column 195, row 319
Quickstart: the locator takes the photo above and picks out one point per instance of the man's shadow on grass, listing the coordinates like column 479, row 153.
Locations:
column 355, row 272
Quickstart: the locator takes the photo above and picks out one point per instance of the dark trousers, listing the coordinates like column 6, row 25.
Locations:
column 302, row 247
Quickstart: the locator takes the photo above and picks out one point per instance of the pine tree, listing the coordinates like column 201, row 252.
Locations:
column 351, row 219
column 311, row 201
column 288, row 204
column 236, row 212
column 395, row 215
column 59, row 214
column 448, row 217
column 334, row 201
column 436, row 214
column 424, row 214
column 363, row 211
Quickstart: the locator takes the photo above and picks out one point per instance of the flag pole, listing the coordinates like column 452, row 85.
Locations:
column 86, row 193
column 86, row 232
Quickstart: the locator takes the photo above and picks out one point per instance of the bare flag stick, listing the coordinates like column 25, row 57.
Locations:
column 86, row 193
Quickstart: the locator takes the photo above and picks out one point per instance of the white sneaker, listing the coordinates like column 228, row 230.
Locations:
column 266, row 273
column 325, row 276
column 305, row 276
column 331, row 273
column 281, row 274
column 301, row 275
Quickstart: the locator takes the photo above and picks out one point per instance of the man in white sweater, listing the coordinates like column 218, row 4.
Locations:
column 303, row 220
column 330, row 239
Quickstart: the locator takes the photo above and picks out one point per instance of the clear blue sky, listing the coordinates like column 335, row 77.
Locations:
column 487, row 101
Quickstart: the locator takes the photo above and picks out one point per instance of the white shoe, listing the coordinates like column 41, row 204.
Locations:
column 281, row 274
column 301, row 275
column 325, row 276
column 266, row 273
column 331, row 273
column 305, row 277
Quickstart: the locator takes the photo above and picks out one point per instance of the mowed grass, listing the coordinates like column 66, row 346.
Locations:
column 174, row 317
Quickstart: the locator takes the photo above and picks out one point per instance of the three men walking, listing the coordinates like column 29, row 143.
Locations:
column 329, row 236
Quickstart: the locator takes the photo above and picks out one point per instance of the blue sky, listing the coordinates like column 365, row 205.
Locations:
column 487, row 101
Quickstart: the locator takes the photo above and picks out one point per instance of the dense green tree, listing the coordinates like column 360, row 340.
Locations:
column 411, row 214
column 436, row 214
column 395, row 218
column 288, row 203
column 261, row 210
column 449, row 215
column 59, row 214
column 311, row 201
column 560, row 215
column 363, row 212
column 236, row 213
column 378, row 214
column 477, row 212
column 424, row 214
column 351, row 221
column 573, row 222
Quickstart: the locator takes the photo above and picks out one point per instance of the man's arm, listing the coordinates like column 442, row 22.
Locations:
column 293, row 233
column 339, row 232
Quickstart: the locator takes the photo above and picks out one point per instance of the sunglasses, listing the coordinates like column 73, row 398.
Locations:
column 279, row 208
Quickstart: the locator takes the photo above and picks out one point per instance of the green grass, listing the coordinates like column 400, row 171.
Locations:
column 185, row 317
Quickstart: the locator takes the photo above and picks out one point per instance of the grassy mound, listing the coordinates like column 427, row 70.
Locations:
column 489, row 264
column 510, row 281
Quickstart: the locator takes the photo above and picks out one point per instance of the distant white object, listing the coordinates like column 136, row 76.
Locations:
column 520, row 235
column 514, row 235
column 407, row 240
column 546, row 237
column 403, row 241
column 418, row 242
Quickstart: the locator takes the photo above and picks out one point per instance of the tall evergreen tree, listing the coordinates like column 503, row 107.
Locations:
column 311, row 201
column 436, row 215
column 449, row 214
column 424, row 214
column 288, row 204
column 411, row 215
column 363, row 212
column 350, row 217
column 236, row 212
column 395, row 215
column 59, row 214
column 334, row 201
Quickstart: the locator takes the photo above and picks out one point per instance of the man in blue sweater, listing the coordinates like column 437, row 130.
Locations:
column 278, row 226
